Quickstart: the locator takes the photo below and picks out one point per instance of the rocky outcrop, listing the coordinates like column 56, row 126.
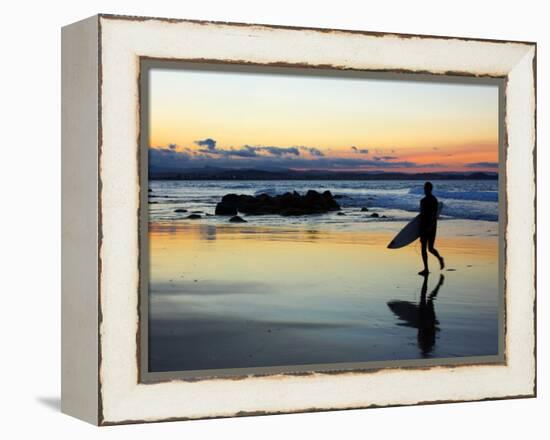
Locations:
column 286, row 204
column 237, row 219
column 226, row 208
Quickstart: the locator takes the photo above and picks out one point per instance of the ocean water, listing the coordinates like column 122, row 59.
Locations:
column 397, row 200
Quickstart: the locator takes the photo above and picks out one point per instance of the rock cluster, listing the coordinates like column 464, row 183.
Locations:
column 290, row 203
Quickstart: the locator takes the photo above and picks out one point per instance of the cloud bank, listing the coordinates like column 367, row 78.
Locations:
column 209, row 143
column 268, row 157
column 360, row 150
column 482, row 165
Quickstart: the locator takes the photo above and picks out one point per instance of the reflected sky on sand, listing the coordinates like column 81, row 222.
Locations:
column 233, row 296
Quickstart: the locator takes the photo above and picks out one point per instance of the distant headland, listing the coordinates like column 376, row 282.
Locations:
column 213, row 173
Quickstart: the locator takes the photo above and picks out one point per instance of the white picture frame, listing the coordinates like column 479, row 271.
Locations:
column 101, row 202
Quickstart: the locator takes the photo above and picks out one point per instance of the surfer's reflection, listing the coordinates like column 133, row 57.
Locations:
column 420, row 316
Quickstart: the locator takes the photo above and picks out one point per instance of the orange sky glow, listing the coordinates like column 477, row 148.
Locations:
column 239, row 119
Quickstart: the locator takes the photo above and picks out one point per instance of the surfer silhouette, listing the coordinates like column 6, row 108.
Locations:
column 428, row 228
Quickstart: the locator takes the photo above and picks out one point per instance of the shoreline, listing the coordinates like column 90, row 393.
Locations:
column 447, row 228
column 397, row 200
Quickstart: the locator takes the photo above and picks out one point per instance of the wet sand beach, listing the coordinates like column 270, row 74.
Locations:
column 233, row 296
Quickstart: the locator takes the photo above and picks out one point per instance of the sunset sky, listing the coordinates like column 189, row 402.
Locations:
column 268, row 121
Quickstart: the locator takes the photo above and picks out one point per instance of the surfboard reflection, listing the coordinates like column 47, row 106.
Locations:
column 420, row 316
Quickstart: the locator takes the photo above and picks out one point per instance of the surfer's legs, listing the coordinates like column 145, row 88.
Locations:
column 433, row 250
column 424, row 245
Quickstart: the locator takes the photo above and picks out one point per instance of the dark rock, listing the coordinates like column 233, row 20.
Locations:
column 375, row 215
column 180, row 210
column 193, row 216
column 364, row 209
column 237, row 219
column 285, row 204
column 196, row 212
column 150, row 190
column 341, row 213
column 228, row 205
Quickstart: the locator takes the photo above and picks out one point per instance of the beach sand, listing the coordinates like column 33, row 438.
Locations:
column 235, row 296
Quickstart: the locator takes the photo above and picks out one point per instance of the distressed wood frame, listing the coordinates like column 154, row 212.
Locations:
column 101, row 202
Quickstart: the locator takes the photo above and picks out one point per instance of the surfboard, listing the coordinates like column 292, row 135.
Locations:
column 410, row 232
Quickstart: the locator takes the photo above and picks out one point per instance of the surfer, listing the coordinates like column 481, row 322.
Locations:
column 428, row 227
